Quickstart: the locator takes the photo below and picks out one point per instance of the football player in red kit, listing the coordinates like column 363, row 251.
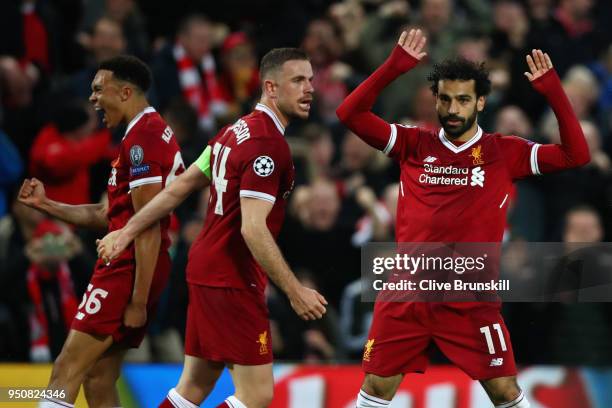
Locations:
column 454, row 187
column 250, row 171
column 121, row 295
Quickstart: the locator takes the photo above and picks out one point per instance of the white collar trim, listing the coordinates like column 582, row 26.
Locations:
column 271, row 114
column 458, row 149
column 148, row 109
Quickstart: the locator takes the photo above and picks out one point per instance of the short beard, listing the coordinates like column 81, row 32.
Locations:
column 455, row 133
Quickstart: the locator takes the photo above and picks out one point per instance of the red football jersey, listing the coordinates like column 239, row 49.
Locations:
column 148, row 154
column 456, row 192
column 252, row 159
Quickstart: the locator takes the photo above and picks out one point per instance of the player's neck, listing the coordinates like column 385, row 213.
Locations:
column 270, row 104
column 134, row 108
column 467, row 135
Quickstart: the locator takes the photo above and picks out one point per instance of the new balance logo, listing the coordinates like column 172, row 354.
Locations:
column 478, row 176
column 496, row 362
column 430, row 159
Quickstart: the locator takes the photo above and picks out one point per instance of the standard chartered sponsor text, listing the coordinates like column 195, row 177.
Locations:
column 425, row 178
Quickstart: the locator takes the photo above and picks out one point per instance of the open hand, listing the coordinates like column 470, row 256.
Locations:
column 539, row 64
column 413, row 42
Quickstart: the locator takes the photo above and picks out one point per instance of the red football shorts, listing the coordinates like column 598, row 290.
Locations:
column 108, row 294
column 228, row 325
column 472, row 335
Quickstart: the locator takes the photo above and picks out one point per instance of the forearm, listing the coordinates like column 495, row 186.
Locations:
column 573, row 150
column 160, row 206
column 268, row 255
column 91, row 216
column 146, row 248
column 354, row 112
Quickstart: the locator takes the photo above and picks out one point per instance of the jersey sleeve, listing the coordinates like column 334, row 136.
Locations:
column 402, row 140
column 264, row 163
column 521, row 156
column 145, row 154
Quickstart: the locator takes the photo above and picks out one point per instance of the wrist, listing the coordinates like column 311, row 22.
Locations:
column 292, row 289
column 138, row 301
column 400, row 61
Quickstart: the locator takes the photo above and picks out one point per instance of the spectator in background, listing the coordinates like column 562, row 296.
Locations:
column 28, row 58
column 424, row 112
column 124, row 12
column 378, row 37
column 50, row 288
column 590, row 185
column 360, row 164
column 313, row 153
column 349, row 17
column 526, row 208
column 308, row 341
column 187, row 69
column 106, row 41
column 65, row 149
column 582, row 90
column 240, row 76
column 324, row 47
column 29, row 26
column 317, row 237
column 378, row 223
column 581, row 332
column 355, row 320
column 602, row 69
column 16, row 230
column 183, row 120
column 11, row 168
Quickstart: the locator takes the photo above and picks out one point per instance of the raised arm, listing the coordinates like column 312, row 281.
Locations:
column 355, row 112
column 91, row 216
column 306, row 302
column 573, row 150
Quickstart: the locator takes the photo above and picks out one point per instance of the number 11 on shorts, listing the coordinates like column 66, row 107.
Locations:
column 487, row 332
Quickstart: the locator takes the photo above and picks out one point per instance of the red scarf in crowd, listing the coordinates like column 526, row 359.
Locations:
column 39, row 326
column 202, row 91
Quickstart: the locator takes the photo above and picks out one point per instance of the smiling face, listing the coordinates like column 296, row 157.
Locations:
column 458, row 106
column 108, row 95
column 292, row 88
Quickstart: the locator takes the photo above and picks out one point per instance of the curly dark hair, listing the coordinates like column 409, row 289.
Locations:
column 463, row 70
column 130, row 69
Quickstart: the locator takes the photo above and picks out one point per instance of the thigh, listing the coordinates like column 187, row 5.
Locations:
column 228, row 325
column 200, row 371
column 82, row 350
column 101, row 310
column 398, row 339
column 475, row 338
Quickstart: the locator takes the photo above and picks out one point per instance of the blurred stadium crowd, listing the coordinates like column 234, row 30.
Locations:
column 345, row 194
